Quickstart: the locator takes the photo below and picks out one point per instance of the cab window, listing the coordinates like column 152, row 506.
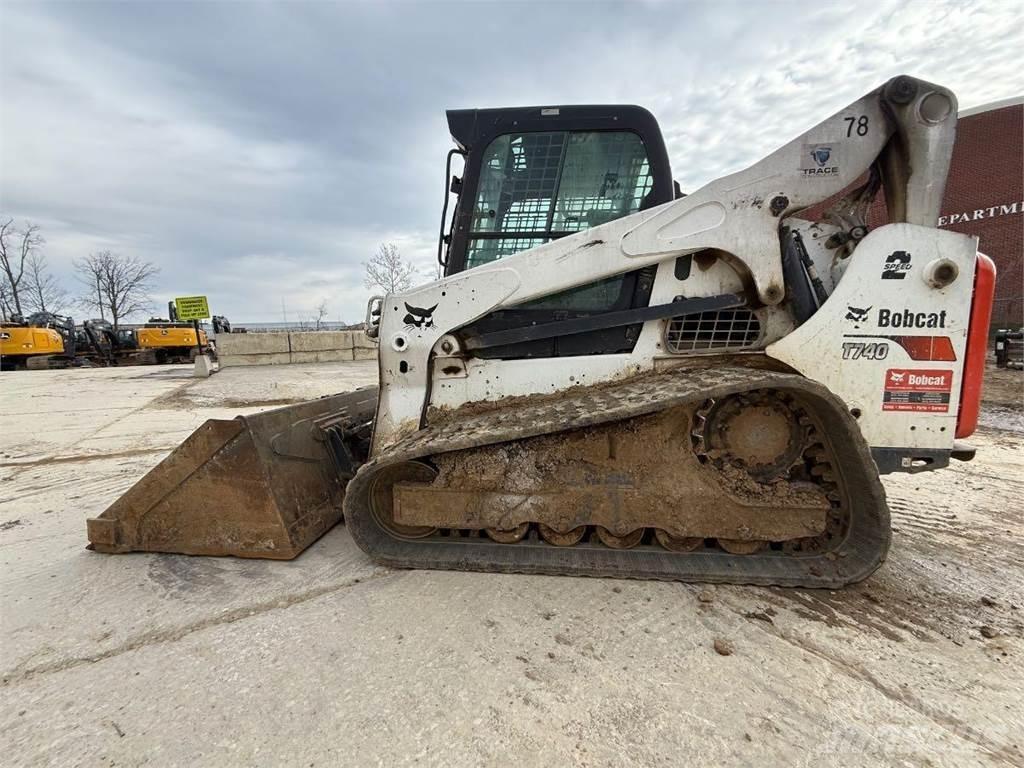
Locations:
column 535, row 187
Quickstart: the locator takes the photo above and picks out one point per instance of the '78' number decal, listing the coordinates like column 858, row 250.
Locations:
column 858, row 124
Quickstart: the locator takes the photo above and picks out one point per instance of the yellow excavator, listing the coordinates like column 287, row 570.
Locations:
column 612, row 379
column 170, row 340
column 42, row 341
column 46, row 340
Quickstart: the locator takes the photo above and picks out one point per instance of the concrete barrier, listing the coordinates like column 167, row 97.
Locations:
column 286, row 347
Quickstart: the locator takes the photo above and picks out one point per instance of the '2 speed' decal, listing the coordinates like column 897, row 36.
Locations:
column 896, row 266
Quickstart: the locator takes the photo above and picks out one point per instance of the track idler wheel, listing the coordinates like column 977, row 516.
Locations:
column 382, row 497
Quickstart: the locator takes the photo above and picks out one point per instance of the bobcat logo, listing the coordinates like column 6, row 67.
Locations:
column 896, row 377
column 857, row 314
column 419, row 317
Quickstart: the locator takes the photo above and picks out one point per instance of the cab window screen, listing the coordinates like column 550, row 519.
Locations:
column 605, row 176
column 535, row 187
column 482, row 251
column 518, row 179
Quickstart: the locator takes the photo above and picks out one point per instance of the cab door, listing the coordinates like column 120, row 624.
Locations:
column 531, row 179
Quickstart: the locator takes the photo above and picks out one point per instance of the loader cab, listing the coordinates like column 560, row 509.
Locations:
column 535, row 174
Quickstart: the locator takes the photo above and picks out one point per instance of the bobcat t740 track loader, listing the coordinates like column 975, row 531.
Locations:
column 615, row 380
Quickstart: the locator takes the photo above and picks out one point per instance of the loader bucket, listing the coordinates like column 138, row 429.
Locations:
column 266, row 485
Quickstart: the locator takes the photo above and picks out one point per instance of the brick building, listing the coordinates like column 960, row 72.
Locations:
column 985, row 197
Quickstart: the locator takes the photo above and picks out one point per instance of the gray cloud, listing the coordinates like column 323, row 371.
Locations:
column 259, row 153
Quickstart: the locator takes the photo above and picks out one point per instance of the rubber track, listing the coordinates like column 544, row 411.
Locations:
column 851, row 559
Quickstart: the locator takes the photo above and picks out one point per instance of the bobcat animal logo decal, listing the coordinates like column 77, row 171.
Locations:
column 856, row 314
column 419, row 317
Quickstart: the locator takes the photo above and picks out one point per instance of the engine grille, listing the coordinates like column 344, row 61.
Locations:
column 721, row 329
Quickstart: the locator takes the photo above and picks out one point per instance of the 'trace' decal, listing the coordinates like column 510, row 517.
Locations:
column 819, row 160
column 933, row 348
column 916, row 390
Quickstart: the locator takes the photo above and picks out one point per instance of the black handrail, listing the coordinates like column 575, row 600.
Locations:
column 441, row 239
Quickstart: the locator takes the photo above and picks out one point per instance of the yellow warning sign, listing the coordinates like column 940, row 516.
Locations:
column 192, row 307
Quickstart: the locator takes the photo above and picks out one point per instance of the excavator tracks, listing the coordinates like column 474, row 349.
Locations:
column 731, row 475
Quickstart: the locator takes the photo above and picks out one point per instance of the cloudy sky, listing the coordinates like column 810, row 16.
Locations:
column 258, row 153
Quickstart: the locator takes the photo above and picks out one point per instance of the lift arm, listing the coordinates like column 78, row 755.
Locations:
column 899, row 137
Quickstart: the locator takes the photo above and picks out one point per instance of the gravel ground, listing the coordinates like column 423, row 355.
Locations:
column 330, row 660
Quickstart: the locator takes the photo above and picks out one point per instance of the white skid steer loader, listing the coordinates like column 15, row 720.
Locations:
column 614, row 379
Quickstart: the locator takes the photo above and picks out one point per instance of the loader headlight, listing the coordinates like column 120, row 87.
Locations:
column 373, row 310
column 935, row 107
column 939, row 273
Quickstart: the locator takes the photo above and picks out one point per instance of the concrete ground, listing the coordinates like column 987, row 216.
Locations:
column 330, row 660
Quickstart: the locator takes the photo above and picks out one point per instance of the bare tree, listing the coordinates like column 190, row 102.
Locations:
column 43, row 292
column 6, row 307
column 315, row 320
column 16, row 245
column 321, row 315
column 388, row 271
column 116, row 284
